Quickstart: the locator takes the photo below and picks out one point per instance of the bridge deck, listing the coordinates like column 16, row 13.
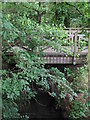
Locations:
column 52, row 57
column 74, row 36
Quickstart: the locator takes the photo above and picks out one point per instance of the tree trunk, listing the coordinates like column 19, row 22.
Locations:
column 39, row 15
column 56, row 14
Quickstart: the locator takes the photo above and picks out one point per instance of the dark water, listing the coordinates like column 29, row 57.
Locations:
column 42, row 107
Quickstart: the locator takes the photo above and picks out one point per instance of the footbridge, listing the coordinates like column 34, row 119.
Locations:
column 79, row 49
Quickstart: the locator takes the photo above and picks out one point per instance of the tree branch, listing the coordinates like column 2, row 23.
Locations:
column 76, row 9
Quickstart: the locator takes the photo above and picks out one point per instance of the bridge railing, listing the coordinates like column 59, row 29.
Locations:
column 74, row 36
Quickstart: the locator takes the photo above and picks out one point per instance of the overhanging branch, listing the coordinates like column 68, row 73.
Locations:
column 76, row 9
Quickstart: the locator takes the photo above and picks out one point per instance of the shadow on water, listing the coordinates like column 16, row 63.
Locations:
column 42, row 107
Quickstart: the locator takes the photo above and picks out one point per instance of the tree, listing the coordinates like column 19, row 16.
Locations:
column 25, row 27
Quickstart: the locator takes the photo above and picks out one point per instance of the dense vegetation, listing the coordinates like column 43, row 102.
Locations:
column 26, row 26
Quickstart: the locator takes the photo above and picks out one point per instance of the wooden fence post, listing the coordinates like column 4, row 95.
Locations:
column 75, row 49
column 79, row 44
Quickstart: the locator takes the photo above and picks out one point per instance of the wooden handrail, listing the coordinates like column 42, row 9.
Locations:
column 75, row 36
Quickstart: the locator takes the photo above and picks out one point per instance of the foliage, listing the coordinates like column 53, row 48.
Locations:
column 27, row 26
column 65, row 13
column 78, row 110
column 79, row 83
column 78, row 78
